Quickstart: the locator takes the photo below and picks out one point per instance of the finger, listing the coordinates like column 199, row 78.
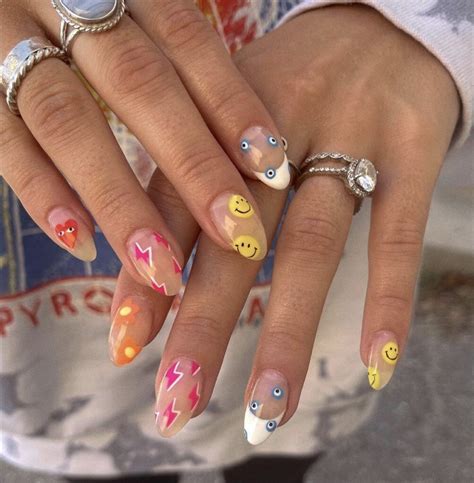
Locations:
column 232, row 110
column 137, row 315
column 141, row 86
column 42, row 190
column 399, row 215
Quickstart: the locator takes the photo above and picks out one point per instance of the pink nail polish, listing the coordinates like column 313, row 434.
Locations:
column 130, row 330
column 265, row 155
column 72, row 233
column 178, row 396
column 155, row 261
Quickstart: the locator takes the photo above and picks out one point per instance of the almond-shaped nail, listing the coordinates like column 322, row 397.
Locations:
column 383, row 357
column 266, row 406
column 129, row 331
column 154, row 259
column 236, row 221
column 265, row 156
column 178, row 396
column 72, row 233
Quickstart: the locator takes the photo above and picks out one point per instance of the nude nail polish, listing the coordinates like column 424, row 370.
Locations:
column 265, row 156
column 178, row 396
column 266, row 407
column 130, row 329
column 383, row 357
column 72, row 233
column 236, row 221
column 155, row 261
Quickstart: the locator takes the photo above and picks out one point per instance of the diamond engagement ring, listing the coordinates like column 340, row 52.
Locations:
column 21, row 60
column 93, row 16
column 359, row 175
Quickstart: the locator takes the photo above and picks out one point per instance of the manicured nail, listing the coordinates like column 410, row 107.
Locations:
column 266, row 407
column 236, row 222
column 383, row 358
column 155, row 261
column 130, row 329
column 178, row 396
column 72, row 233
column 265, row 155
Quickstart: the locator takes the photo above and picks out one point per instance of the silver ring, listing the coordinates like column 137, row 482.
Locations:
column 92, row 16
column 21, row 60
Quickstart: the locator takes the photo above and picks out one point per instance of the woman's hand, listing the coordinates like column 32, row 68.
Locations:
column 347, row 81
column 168, row 77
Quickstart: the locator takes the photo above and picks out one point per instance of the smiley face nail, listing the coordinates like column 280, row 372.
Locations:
column 265, row 156
column 154, row 259
column 71, row 233
column 383, row 357
column 266, row 407
column 237, row 222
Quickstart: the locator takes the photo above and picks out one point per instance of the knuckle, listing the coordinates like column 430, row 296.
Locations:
column 29, row 185
column 394, row 300
column 312, row 235
column 193, row 170
column 204, row 330
column 55, row 109
column 183, row 26
column 136, row 71
column 280, row 336
column 228, row 99
column 109, row 200
column 10, row 139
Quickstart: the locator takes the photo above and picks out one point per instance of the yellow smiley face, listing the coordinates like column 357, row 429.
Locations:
column 390, row 353
column 374, row 378
column 240, row 207
column 247, row 246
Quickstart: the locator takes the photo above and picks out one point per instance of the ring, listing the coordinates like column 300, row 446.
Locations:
column 359, row 175
column 21, row 60
column 92, row 16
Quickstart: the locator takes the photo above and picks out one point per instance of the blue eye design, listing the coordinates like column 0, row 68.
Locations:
column 244, row 145
column 271, row 426
column 270, row 173
column 254, row 406
column 278, row 392
column 272, row 141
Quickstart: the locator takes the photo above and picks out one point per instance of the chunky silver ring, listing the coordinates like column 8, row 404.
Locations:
column 92, row 16
column 21, row 60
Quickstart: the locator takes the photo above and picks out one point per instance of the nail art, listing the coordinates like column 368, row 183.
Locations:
column 72, row 233
column 383, row 358
column 265, row 155
column 178, row 396
column 155, row 261
column 236, row 221
column 266, row 407
column 129, row 332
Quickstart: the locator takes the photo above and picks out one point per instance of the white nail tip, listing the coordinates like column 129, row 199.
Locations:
column 281, row 178
column 257, row 430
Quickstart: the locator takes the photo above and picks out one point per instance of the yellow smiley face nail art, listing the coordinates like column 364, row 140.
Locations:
column 390, row 353
column 247, row 246
column 240, row 207
column 374, row 378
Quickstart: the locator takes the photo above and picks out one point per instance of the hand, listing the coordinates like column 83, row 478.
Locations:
column 338, row 90
column 153, row 69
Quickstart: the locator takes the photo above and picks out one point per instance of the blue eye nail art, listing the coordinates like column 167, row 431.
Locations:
column 270, row 173
column 271, row 426
column 277, row 392
column 244, row 145
column 272, row 141
column 254, row 406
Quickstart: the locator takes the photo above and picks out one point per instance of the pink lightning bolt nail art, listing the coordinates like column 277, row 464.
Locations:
column 178, row 396
column 155, row 261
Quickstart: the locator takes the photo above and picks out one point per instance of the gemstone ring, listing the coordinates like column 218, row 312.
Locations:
column 92, row 16
column 359, row 175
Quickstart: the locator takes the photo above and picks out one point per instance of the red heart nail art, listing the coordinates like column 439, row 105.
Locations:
column 67, row 233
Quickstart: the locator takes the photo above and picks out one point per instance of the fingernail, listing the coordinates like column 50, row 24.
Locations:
column 236, row 221
column 72, row 233
column 265, row 155
column 383, row 358
column 129, row 332
column 155, row 261
column 266, row 407
column 178, row 396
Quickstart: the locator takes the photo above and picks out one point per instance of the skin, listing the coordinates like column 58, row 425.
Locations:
column 346, row 94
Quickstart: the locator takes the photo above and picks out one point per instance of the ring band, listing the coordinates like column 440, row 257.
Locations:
column 92, row 16
column 359, row 175
column 20, row 61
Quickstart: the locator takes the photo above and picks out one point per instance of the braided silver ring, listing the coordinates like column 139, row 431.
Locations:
column 92, row 16
column 21, row 60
